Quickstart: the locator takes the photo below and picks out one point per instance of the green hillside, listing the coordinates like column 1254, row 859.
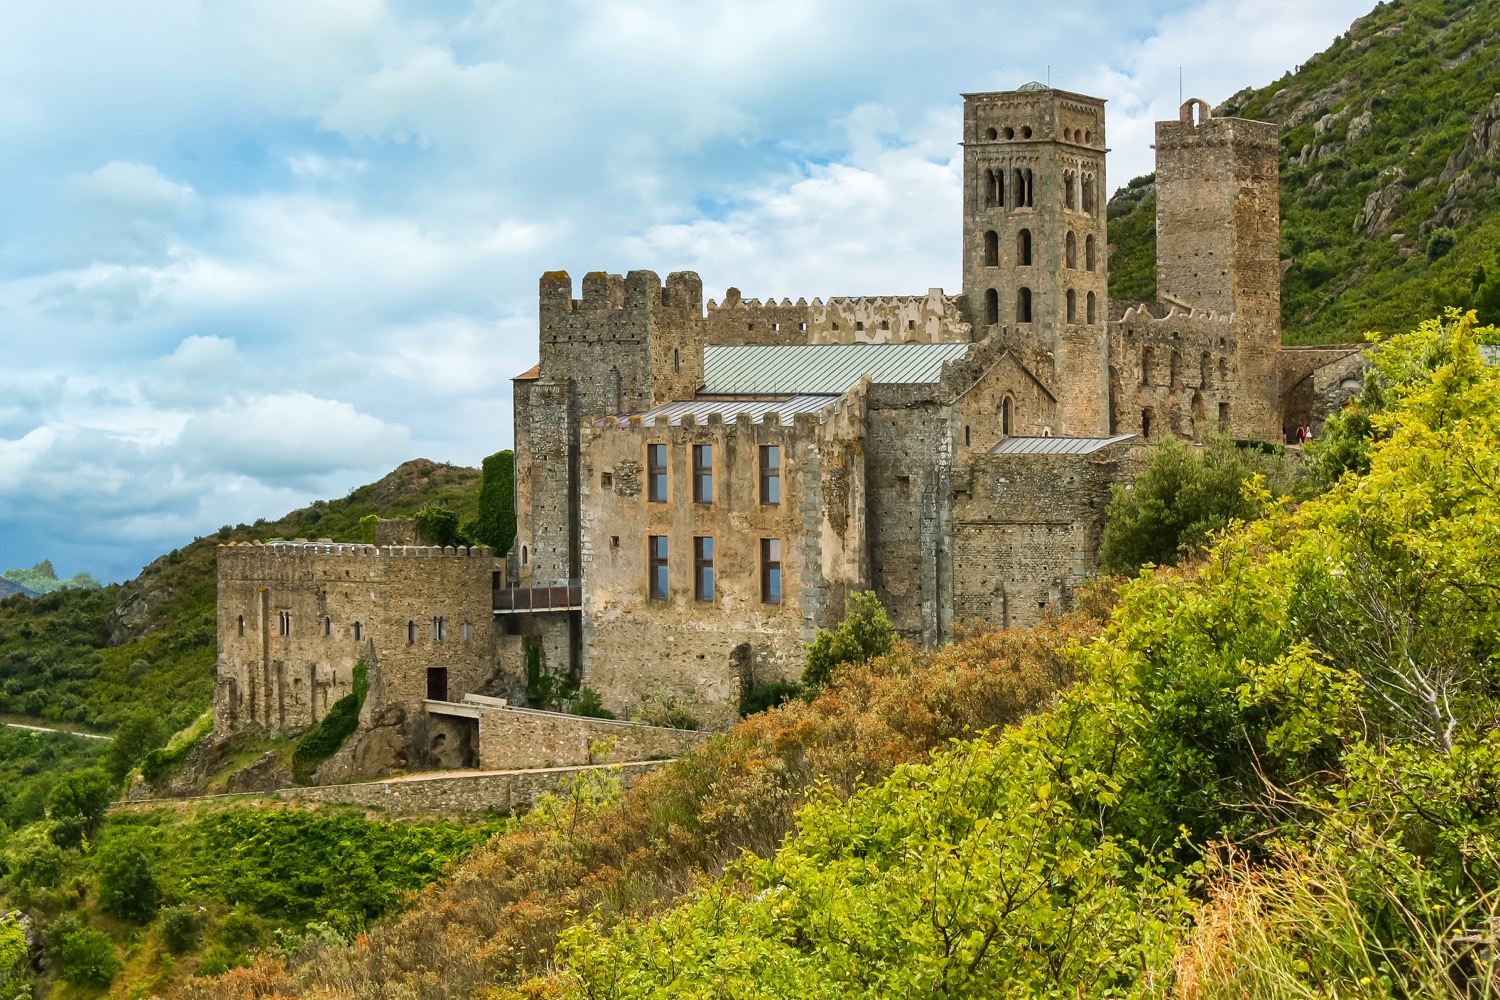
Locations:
column 146, row 649
column 1389, row 155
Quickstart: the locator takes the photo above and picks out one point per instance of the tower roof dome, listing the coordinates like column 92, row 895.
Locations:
column 1033, row 85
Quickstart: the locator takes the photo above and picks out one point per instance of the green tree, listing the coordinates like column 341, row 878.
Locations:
column 87, row 958
column 496, row 524
column 137, row 736
column 127, row 885
column 1439, row 242
column 438, row 525
column 865, row 633
column 1180, row 498
column 76, row 804
column 33, row 862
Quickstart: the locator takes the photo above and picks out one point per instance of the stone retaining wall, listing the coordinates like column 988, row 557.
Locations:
column 512, row 738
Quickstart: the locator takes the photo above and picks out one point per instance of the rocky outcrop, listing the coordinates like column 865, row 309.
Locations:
column 1383, row 203
column 1470, row 172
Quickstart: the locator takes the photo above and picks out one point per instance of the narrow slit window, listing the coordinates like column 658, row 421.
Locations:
column 770, row 474
column 468, row 630
column 359, row 631
column 411, row 631
column 703, row 569
column 656, row 473
column 1093, row 308
column 242, row 625
column 657, row 549
column 327, row 627
column 1007, row 416
column 992, row 307
column 703, row 473
column 1023, row 239
column 1088, row 253
column 770, row 570
column 1070, row 249
column 1072, row 306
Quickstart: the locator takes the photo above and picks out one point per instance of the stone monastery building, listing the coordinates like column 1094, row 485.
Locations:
column 699, row 487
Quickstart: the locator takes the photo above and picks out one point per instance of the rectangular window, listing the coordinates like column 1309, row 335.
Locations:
column 703, row 569
column 770, row 570
column 703, row 473
column 439, row 629
column 658, row 576
column 656, row 473
column 770, row 473
column 283, row 623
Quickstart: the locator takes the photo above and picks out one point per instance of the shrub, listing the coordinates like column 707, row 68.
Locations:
column 180, row 926
column 15, row 972
column 865, row 633
column 33, row 860
column 764, row 696
column 127, row 885
column 437, row 525
column 667, row 711
column 1439, row 242
column 137, row 736
column 589, row 703
column 324, row 740
column 87, row 958
column 82, row 797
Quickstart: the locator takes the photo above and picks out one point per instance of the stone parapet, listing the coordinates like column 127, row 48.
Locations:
column 523, row 737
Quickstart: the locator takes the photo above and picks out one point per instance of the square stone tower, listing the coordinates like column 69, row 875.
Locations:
column 1034, row 237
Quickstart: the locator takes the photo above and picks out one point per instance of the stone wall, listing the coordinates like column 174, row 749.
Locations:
column 887, row 319
column 502, row 791
column 703, row 653
column 295, row 617
column 1026, row 532
column 511, row 738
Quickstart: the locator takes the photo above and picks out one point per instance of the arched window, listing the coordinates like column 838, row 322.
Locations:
column 1070, row 200
column 523, row 555
column 676, row 359
column 1023, row 239
column 1023, row 305
column 1070, row 249
column 1072, row 306
column 1093, row 309
column 991, row 249
column 1018, row 187
column 1007, row 416
column 359, row 631
column 994, row 189
column 327, row 627
column 1088, row 194
column 1030, row 181
column 1088, row 253
column 992, row 307
column 411, row 631
column 1148, row 362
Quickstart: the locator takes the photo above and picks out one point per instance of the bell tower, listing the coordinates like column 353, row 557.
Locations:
column 1034, row 246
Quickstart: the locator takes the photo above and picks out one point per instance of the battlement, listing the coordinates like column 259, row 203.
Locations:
column 636, row 292
column 327, row 547
column 1197, row 126
column 883, row 319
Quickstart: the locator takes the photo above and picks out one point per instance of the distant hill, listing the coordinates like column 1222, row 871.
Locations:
column 1390, row 151
column 9, row 589
column 90, row 657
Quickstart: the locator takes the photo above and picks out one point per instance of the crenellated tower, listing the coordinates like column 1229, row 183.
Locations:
column 1034, row 246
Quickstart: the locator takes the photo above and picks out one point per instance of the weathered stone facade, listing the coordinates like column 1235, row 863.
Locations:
column 700, row 485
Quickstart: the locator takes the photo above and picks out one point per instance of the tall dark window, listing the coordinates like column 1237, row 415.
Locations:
column 770, row 570
column 1023, row 241
column 657, row 548
column 359, row 631
column 1088, row 253
column 992, row 307
column 703, row 569
column 242, row 625
column 1007, row 416
column 703, row 473
column 1072, row 300
column 770, row 473
column 991, row 249
column 411, row 631
column 327, row 626
column 656, row 473
column 1023, row 305
column 1070, row 249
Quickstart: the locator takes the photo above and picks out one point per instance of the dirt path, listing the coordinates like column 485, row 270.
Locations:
column 65, row 732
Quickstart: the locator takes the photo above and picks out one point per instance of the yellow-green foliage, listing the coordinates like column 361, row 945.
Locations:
column 1314, row 682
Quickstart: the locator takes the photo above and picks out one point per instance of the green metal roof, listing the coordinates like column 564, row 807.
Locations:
column 828, row 369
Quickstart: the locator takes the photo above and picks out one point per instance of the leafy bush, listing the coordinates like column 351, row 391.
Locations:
column 1440, row 242
column 589, row 703
column 127, row 885
column 158, row 762
column 77, row 802
column 33, row 862
column 764, row 696
column 137, row 736
column 324, row 740
column 664, row 710
column 865, row 633
column 15, row 962
column 1181, row 498
column 87, row 958
column 180, row 926
column 438, row 525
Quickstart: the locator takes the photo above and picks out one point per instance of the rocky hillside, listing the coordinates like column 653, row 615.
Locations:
column 1389, row 156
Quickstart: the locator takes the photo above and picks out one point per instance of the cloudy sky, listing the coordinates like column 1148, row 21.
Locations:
column 255, row 252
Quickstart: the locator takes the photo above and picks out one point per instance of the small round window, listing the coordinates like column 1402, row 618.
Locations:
column 992, row 134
